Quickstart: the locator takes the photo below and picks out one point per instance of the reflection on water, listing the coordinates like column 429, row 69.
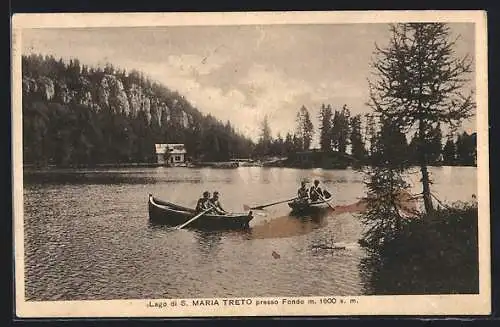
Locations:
column 58, row 177
column 286, row 226
column 88, row 236
column 208, row 242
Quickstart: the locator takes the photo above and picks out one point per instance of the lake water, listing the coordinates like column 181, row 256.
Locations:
column 88, row 235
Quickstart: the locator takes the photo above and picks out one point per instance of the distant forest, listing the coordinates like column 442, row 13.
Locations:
column 75, row 115
column 78, row 115
column 368, row 139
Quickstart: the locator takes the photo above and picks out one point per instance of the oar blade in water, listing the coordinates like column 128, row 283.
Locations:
column 248, row 208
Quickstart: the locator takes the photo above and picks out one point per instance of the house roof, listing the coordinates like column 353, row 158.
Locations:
column 177, row 152
column 175, row 148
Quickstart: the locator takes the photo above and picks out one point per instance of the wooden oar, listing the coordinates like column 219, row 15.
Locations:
column 323, row 200
column 266, row 205
column 193, row 219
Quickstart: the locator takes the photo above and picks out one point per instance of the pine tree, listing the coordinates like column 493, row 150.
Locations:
column 358, row 147
column 413, row 149
column 336, row 130
column 344, row 130
column 392, row 147
column 264, row 145
column 305, row 128
column 370, row 134
column 382, row 217
column 265, row 135
column 418, row 83
column 449, row 151
column 465, row 148
column 434, row 146
column 325, row 127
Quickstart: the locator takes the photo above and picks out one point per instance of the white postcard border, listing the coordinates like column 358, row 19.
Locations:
column 334, row 305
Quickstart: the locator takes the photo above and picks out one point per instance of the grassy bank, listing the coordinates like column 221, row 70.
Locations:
column 435, row 254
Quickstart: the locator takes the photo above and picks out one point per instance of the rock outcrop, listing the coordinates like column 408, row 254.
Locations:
column 46, row 87
column 109, row 93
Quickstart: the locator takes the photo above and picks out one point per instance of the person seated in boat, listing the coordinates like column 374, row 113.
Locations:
column 315, row 192
column 204, row 202
column 302, row 194
column 216, row 204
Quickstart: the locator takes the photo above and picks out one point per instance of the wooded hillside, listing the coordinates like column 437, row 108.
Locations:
column 78, row 115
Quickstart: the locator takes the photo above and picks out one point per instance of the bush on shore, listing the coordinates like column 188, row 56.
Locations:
column 435, row 253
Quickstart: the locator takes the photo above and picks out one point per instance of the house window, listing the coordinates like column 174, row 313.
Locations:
column 177, row 158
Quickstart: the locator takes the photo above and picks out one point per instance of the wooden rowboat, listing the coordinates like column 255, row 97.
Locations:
column 168, row 213
column 299, row 207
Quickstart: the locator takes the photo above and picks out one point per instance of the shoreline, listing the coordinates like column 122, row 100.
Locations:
column 34, row 168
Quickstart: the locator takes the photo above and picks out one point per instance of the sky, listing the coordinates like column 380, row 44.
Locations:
column 242, row 73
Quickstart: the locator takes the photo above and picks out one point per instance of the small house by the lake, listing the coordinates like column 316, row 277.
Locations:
column 170, row 153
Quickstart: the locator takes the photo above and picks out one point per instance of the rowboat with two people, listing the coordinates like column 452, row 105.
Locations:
column 307, row 201
column 309, row 207
column 172, row 214
column 310, row 200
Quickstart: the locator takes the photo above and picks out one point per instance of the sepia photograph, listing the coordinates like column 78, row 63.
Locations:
column 261, row 164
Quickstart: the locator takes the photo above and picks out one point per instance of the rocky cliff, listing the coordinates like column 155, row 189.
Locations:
column 109, row 93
